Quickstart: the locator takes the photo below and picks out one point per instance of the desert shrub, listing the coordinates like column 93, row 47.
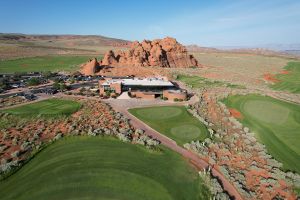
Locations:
column 25, row 146
column 15, row 154
column 139, row 131
column 165, row 98
column 176, row 99
column 123, row 137
column 58, row 136
column 152, row 142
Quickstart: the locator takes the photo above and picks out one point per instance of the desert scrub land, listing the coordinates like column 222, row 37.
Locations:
column 173, row 121
column 11, row 101
column 289, row 78
column 49, row 108
column 236, row 68
column 43, row 63
column 276, row 124
column 104, row 168
column 200, row 82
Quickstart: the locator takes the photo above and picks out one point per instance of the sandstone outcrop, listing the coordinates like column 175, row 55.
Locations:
column 91, row 67
column 165, row 52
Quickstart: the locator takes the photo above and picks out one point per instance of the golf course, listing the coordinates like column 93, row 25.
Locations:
column 289, row 80
column 103, row 168
column 173, row 121
column 49, row 107
column 43, row 63
column 276, row 124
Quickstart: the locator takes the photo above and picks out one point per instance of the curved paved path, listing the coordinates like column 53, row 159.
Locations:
column 122, row 106
column 192, row 157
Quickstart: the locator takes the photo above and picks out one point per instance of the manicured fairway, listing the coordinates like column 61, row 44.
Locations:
column 43, row 63
column 173, row 121
column 276, row 124
column 290, row 78
column 103, row 168
column 49, row 107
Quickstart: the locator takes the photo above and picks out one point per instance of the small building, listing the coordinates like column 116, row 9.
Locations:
column 145, row 88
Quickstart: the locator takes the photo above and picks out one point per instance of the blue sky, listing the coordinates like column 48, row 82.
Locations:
column 206, row 23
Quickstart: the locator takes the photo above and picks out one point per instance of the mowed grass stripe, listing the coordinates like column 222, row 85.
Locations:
column 173, row 121
column 291, row 80
column 103, row 168
column 43, row 63
column 276, row 125
column 49, row 107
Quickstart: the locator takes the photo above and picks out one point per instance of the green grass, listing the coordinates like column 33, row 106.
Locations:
column 200, row 82
column 43, row 63
column 49, row 107
column 291, row 81
column 103, row 168
column 173, row 121
column 276, row 124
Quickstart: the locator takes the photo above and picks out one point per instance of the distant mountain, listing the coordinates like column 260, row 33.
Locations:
column 23, row 45
column 282, row 47
column 271, row 50
column 196, row 48
column 67, row 40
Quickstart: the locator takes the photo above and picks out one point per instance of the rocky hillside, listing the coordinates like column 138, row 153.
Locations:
column 165, row 52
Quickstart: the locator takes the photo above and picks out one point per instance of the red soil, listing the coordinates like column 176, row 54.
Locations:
column 270, row 77
column 211, row 75
column 284, row 72
column 235, row 113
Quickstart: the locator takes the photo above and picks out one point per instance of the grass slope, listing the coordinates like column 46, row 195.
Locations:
column 200, row 82
column 173, row 121
column 49, row 107
column 103, row 168
column 289, row 81
column 43, row 63
column 276, row 124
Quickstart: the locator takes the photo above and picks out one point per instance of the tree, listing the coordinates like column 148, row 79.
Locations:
column 62, row 87
column 33, row 81
column 56, row 86
column 4, row 83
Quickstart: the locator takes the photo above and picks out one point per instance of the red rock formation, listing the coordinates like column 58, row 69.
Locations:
column 90, row 68
column 165, row 52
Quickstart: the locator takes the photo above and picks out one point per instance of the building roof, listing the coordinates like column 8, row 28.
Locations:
column 140, row 82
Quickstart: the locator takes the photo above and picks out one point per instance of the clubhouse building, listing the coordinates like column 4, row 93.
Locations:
column 144, row 88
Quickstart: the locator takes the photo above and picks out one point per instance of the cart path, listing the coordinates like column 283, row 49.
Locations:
column 198, row 162
column 191, row 156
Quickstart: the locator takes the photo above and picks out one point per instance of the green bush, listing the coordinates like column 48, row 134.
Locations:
column 176, row 99
column 165, row 98
column 33, row 81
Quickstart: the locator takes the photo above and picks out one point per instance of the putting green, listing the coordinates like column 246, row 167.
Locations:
column 173, row 121
column 103, row 168
column 49, row 107
column 186, row 131
column 276, row 124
